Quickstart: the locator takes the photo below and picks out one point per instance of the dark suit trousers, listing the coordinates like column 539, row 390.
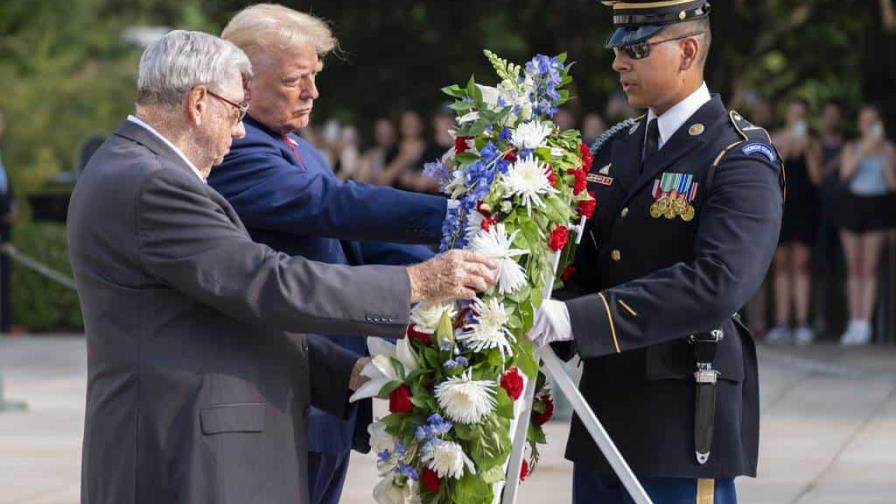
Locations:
column 326, row 476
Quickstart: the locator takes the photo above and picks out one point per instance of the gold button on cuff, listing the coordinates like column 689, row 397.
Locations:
column 616, row 255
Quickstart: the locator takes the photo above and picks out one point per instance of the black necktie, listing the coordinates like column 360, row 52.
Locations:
column 651, row 142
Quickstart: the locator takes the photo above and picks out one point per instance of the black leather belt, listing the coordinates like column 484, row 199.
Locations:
column 704, row 346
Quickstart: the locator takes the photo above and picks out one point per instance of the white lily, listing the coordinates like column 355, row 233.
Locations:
column 528, row 178
column 530, row 135
column 387, row 492
column 496, row 244
column 426, row 315
column 489, row 95
column 381, row 370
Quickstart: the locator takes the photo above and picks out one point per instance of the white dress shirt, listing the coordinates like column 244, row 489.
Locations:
column 673, row 118
column 136, row 120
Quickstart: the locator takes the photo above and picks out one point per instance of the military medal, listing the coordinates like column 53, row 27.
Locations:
column 673, row 194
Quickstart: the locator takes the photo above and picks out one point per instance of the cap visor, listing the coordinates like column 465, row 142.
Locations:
column 624, row 36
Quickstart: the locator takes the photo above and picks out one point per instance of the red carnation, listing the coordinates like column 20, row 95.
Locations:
column 543, row 417
column 487, row 223
column 460, row 144
column 400, row 400
column 568, row 273
column 524, row 471
column 586, row 157
column 587, row 207
column 552, row 177
column 510, row 156
column 512, row 383
column 430, row 480
column 580, row 181
column 558, row 238
column 415, row 335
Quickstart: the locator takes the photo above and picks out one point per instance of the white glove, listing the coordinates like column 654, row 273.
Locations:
column 551, row 324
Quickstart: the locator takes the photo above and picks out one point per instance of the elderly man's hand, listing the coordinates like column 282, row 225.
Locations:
column 551, row 324
column 456, row 274
column 357, row 379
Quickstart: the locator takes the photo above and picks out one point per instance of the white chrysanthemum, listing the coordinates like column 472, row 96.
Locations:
column 530, row 135
column 426, row 315
column 466, row 400
column 528, row 178
column 496, row 244
column 489, row 330
column 388, row 492
column 380, row 370
column 474, row 224
column 447, row 458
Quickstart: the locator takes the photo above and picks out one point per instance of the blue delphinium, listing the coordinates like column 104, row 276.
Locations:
column 406, row 470
column 545, row 73
column 437, row 171
column 431, row 433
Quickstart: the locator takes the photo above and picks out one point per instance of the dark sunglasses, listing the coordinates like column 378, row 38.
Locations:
column 641, row 50
column 242, row 107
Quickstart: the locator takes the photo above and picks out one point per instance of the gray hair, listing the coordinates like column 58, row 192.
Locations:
column 181, row 60
column 267, row 29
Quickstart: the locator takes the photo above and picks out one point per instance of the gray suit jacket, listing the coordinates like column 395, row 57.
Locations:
column 195, row 392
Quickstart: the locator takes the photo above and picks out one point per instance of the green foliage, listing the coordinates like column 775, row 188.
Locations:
column 40, row 304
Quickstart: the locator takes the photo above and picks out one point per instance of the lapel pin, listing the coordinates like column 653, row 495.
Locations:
column 605, row 170
column 696, row 129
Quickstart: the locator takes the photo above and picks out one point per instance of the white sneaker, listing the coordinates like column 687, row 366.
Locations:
column 862, row 334
column 848, row 334
column 858, row 333
column 779, row 334
column 803, row 335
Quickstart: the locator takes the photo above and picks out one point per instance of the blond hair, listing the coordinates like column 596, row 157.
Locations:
column 268, row 29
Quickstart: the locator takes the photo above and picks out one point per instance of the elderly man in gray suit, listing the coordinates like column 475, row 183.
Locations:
column 195, row 392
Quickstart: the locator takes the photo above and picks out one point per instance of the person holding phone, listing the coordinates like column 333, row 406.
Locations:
column 868, row 170
column 802, row 157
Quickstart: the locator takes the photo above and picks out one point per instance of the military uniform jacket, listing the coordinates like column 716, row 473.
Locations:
column 648, row 277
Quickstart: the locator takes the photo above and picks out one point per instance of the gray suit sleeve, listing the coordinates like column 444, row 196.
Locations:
column 186, row 240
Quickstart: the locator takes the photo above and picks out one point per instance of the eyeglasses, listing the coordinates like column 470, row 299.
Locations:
column 641, row 50
column 242, row 107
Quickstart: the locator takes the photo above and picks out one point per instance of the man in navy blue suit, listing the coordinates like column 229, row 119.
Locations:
column 289, row 198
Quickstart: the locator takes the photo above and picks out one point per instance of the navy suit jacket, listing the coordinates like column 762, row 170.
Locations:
column 295, row 204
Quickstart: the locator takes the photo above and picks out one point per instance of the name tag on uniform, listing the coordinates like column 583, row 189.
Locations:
column 599, row 179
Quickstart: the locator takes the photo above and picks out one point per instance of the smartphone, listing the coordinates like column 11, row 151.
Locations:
column 800, row 129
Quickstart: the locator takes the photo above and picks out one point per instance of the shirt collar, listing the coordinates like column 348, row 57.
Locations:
column 673, row 118
column 136, row 120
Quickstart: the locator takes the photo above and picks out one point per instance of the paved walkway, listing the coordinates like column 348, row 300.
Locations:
column 828, row 430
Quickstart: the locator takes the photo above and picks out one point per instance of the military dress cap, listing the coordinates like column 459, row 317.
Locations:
column 638, row 20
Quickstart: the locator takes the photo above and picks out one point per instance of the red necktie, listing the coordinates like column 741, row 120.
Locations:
column 294, row 150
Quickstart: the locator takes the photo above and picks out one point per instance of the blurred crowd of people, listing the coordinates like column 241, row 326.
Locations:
column 841, row 177
column 841, row 171
column 397, row 149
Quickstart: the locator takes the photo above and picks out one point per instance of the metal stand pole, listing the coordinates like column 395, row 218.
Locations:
column 553, row 367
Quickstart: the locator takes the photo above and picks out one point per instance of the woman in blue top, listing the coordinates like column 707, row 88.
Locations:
column 868, row 168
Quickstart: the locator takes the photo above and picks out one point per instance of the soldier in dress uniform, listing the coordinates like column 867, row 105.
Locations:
column 689, row 203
